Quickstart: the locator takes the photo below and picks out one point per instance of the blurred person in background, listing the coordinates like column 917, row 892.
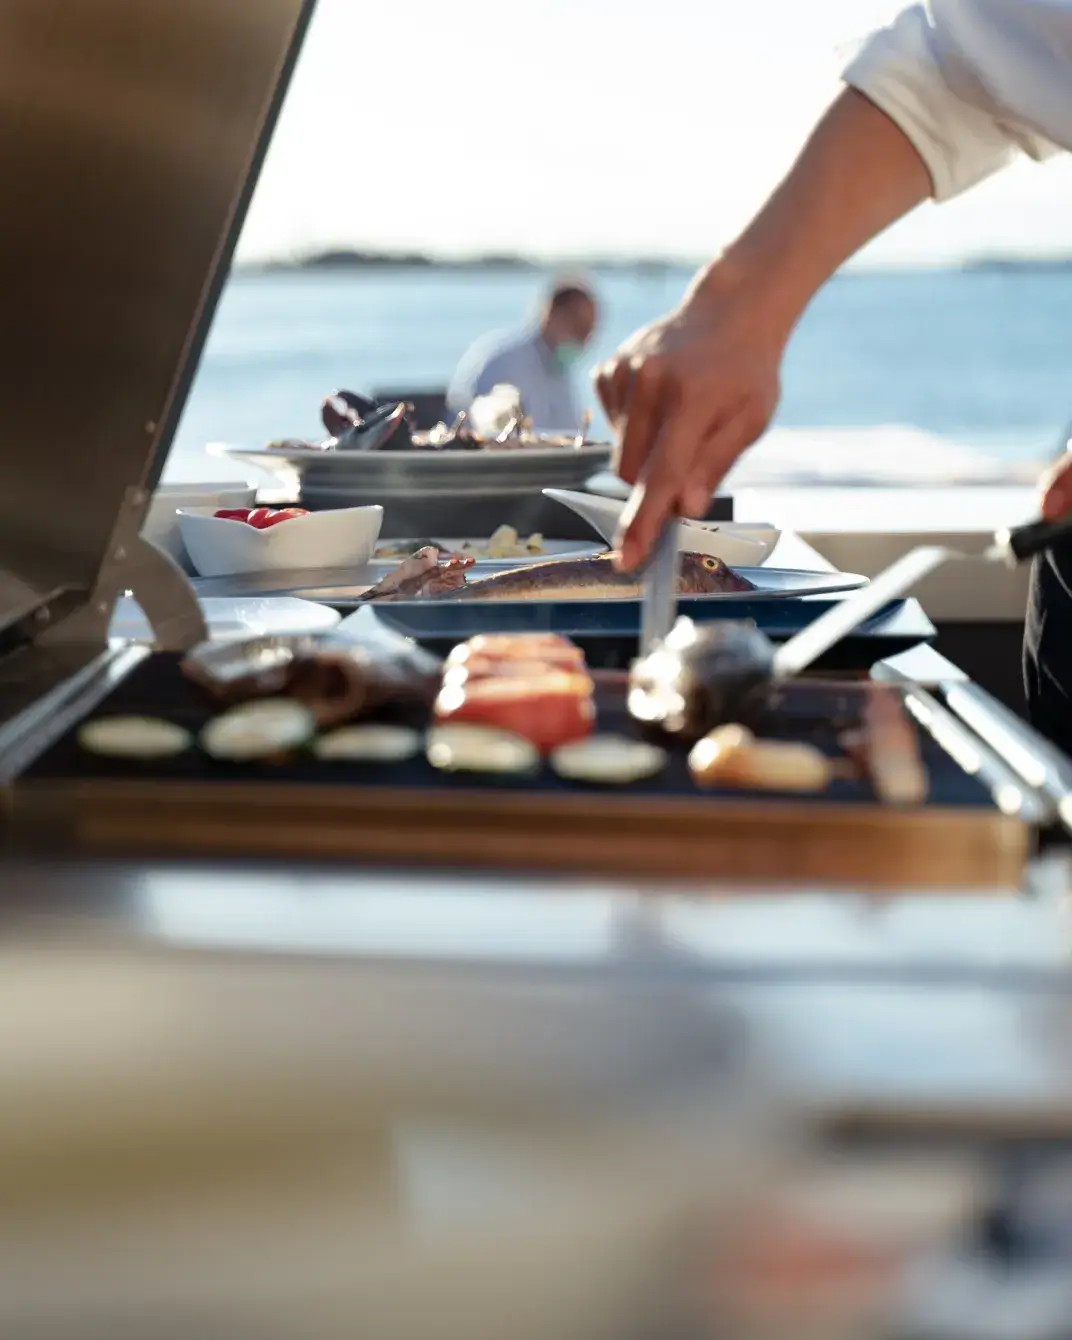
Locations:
column 540, row 361
column 949, row 93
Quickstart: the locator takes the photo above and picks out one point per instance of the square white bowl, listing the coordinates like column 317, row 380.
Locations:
column 342, row 538
column 162, row 519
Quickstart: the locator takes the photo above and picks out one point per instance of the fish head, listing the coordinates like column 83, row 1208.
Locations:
column 420, row 576
column 705, row 575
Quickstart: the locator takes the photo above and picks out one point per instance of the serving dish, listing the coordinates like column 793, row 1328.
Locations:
column 734, row 542
column 770, row 584
column 223, row 548
column 395, row 470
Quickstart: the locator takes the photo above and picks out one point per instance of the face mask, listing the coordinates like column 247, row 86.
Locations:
column 568, row 354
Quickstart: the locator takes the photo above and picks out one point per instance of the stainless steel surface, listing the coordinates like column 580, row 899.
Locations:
column 254, row 1142
column 659, row 605
column 1005, row 752
column 1040, row 764
column 166, row 597
column 49, row 694
column 1012, row 793
column 130, row 138
column 922, row 665
column 928, row 1007
column 515, row 924
column 159, row 585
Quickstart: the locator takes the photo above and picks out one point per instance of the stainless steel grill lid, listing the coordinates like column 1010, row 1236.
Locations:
column 131, row 136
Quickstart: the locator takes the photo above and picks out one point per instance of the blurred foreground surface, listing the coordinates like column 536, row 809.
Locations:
column 283, row 1103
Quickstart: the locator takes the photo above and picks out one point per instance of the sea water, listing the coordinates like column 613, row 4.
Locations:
column 932, row 377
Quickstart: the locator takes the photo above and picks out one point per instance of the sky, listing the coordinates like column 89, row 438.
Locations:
column 573, row 127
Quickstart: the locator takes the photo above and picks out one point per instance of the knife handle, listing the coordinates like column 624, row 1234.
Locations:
column 1021, row 543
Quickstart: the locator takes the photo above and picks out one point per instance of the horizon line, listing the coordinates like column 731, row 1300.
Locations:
column 343, row 257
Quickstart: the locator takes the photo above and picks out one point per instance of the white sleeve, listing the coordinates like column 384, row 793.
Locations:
column 972, row 83
column 477, row 373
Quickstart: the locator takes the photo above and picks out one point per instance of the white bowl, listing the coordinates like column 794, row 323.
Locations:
column 338, row 539
column 738, row 544
column 162, row 522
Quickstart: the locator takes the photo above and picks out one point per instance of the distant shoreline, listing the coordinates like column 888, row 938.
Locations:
column 348, row 260
column 345, row 259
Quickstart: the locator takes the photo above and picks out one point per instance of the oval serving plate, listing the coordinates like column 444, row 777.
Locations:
column 770, row 584
column 463, row 462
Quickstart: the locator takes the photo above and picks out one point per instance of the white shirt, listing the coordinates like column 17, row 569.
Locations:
column 973, row 83
column 522, row 360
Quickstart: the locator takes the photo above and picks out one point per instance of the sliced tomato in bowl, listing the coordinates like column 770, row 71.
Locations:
column 284, row 514
column 263, row 518
column 232, row 514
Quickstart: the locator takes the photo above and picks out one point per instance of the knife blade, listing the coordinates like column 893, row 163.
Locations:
column 659, row 606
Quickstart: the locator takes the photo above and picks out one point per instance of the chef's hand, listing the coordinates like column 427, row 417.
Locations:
column 685, row 397
column 1057, row 489
column 689, row 394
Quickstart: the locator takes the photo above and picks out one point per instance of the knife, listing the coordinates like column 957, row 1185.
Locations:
column 660, row 588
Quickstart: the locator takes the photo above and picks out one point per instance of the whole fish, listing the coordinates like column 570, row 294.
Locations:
column 422, row 577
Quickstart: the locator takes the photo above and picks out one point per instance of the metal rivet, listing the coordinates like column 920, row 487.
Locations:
column 150, row 426
column 102, row 607
column 139, row 497
column 42, row 616
column 120, row 554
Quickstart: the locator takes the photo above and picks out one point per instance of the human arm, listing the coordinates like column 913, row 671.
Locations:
column 930, row 110
column 1056, row 489
column 689, row 394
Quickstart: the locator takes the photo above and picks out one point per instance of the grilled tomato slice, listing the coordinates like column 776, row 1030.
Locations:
column 550, row 709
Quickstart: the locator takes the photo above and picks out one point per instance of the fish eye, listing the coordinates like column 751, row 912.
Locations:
column 710, row 563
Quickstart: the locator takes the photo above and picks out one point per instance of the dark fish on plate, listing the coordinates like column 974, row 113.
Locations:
column 593, row 578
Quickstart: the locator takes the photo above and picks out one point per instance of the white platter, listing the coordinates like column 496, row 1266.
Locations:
column 417, row 461
column 770, row 584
